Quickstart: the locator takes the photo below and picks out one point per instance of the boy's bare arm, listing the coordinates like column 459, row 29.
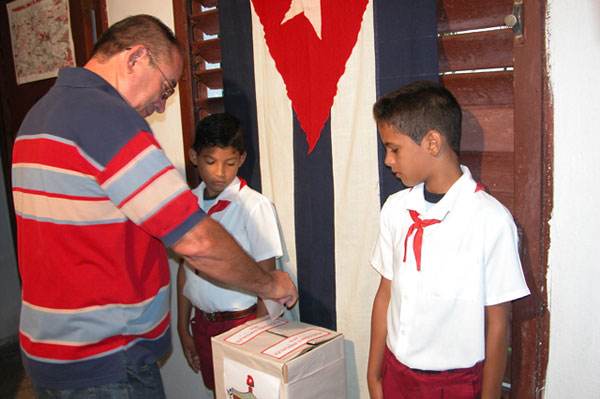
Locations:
column 267, row 265
column 497, row 321
column 378, row 337
column 184, row 311
column 215, row 254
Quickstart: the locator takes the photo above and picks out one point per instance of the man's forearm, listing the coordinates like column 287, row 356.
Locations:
column 216, row 255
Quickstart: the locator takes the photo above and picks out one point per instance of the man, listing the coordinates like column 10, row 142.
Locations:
column 97, row 201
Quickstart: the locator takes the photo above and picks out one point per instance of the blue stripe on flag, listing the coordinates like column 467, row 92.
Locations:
column 313, row 192
column 405, row 51
column 237, row 64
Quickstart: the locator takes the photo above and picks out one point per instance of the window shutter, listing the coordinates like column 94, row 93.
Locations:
column 201, row 85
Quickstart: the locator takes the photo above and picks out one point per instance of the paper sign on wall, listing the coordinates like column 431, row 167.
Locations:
column 40, row 33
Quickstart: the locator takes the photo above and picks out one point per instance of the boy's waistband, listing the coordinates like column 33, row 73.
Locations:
column 229, row 315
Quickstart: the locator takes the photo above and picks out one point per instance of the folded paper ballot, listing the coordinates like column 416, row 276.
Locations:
column 275, row 309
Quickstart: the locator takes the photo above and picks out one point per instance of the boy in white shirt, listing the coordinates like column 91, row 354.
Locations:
column 218, row 152
column 448, row 257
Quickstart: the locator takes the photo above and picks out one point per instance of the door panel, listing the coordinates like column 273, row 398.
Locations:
column 461, row 15
column 505, row 145
column 533, row 200
column 477, row 69
column 193, row 19
column 476, row 50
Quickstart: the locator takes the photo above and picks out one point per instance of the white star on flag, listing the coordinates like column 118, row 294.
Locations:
column 311, row 10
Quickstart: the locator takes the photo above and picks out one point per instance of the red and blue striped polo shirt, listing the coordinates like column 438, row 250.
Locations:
column 96, row 202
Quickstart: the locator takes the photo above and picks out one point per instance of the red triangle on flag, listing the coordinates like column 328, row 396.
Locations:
column 311, row 66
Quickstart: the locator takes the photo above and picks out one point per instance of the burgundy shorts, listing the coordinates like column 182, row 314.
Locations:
column 401, row 382
column 202, row 331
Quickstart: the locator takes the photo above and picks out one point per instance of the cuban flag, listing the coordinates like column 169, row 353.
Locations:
column 302, row 76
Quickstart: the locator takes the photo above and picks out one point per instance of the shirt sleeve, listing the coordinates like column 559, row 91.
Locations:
column 382, row 257
column 147, row 189
column 504, row 279
column 263, row 231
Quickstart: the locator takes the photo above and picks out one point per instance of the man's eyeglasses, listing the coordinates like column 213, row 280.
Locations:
column 167, row 93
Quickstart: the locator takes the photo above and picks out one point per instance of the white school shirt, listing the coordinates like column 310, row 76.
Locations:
column 470, row 260
column 250, row 218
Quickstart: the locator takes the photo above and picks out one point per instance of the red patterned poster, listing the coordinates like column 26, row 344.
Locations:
column 40, row 33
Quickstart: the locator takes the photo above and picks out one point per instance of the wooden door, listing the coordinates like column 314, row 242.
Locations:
column 499, row 81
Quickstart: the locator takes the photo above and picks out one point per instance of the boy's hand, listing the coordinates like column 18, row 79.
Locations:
column 189, row 351
column 375, row 388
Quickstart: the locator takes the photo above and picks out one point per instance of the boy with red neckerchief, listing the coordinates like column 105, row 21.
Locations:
column 217, row 153
column 448, row 257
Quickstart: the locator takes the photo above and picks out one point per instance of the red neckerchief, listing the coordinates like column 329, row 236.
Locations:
column 222, row 204
column 417, row 225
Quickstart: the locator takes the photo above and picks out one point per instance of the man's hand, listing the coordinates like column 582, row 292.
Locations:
column 282, row 289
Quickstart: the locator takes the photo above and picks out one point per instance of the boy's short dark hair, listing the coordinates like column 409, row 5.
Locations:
column 419, row 107
column 219, row 130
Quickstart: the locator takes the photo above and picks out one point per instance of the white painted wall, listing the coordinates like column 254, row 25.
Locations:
column 179, row 380
column 573, row 32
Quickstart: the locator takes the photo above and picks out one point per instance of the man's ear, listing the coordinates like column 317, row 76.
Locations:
column 242, row 158
column 433, row 142
column 193, row 156
column 134, row 55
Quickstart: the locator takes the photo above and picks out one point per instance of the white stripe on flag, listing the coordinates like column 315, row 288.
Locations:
column 356, row 182
column 356, row 204
column 275, row 126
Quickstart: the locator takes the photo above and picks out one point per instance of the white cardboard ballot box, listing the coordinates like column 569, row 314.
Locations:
column 279, row 359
